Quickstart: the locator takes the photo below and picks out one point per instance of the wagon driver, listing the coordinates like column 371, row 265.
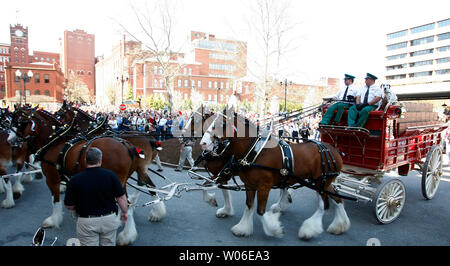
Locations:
column 367, row 99
column 345, row 98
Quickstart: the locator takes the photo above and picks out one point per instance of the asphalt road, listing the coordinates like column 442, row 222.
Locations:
column 192, row 222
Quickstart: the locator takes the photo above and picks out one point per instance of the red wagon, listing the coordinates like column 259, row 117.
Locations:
column 391, row 139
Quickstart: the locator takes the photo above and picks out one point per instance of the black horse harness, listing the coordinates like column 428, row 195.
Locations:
column 233, row 166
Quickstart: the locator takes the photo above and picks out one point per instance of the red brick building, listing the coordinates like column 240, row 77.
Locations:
column 45, row 86
column 4, row 58
column 78, row 56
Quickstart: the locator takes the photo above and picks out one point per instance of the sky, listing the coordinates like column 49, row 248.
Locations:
column 335, row 37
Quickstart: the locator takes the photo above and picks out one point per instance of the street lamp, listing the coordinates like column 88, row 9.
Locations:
column 217, row 97
column 122, row 79
column 26, row 78
column 285, row 83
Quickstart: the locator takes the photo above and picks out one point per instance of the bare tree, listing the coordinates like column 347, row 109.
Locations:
column 156, row 26
column 77, row 90
column 275, row 33
column 112, row 94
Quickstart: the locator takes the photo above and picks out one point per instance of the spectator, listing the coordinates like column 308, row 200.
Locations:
column 186, row 153
column 304, row 131
column 93, row 194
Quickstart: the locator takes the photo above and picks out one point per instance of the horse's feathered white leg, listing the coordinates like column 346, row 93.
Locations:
column 282, row 203
column 27, row 178
column 18, row 187
column 209, row 198
column 227, row 209
column 158, row 211
column 8, row 202
column 245, row 225
column 62, row 188
column 313, row 225
column 56, row 218
column 341, row 222
column 2, row 186
column 129, row 232
column 271, row 224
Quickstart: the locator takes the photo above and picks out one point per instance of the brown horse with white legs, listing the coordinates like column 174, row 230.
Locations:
column 215, row 162
column 62, row 153
column 312, row 164
column 145, row 144
column 15, row 154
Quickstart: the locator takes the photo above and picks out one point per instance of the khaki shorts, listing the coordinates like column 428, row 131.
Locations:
column 98, row 231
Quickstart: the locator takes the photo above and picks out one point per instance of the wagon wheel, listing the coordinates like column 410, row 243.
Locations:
column 432, row 172
column 389, row 201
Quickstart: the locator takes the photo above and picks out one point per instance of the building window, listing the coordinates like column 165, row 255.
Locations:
column 397, row 34
column 18, row 93
column 155, row 70
column 443, row 36
column 2, row 77
column 161, row 83
column 179, row 83
column 1, row 68
column 221, row 85
column 422, row 40
column 444, row 23
column 227, row 85
column 422, row 52
column 396, row 46
column 199, row 84
column 420, row 74
column 215, row 84
column 394, row 57
column 190, row 71
column 444, row 48
column 47, row 93
column 46, row 78
column 442, row 71
column 193, row 83
column 209, row 97
column 402, row 76
column 210, row 84
column 185, row 96
column 421, row 63
column 422, row 28
column 37, row 92
column 186, row 83
column 443, row 60
column 27, row 93
column 3, row 88
column 395, row 67
column 37, row 78
column 185, row 71
column 16, row 78
column 155, row 82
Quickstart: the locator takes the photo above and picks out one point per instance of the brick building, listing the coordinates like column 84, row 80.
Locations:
column 44, row 88
column 46, row 85
column 78, row 56
column 210, row 71
column 4, row 58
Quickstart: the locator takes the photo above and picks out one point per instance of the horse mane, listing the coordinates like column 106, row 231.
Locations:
column 84, row 113
column 50, row 115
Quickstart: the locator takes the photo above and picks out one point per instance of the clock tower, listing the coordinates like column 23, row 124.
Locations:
column 19, row 44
